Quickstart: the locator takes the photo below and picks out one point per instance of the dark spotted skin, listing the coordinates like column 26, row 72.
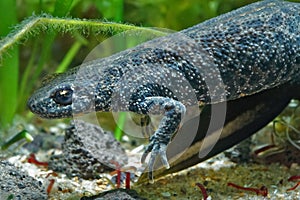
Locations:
column 239, row 54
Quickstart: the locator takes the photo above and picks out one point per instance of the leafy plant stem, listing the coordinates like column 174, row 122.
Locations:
column 36, row 24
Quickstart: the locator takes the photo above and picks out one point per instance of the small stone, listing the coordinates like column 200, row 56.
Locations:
column 166, row 194
column 87, row 151
column 12, row 184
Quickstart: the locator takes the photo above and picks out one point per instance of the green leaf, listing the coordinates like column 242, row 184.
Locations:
column 9, row 67
column 111, row 9
column 19, row 136
column 62, row 7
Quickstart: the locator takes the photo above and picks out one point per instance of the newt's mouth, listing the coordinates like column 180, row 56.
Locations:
column 48, row 109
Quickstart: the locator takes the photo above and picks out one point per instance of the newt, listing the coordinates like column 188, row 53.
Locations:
column 244, row 64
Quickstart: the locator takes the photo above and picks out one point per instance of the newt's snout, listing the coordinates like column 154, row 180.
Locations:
column 42, row 104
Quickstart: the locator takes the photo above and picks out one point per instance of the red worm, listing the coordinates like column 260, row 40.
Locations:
column 203, row 190
column 259, row 191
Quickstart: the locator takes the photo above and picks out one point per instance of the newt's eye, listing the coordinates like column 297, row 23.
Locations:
column 63, row 96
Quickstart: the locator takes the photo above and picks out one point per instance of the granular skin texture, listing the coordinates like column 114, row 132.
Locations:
column 248, row 50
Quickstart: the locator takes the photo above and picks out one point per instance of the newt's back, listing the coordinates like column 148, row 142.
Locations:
column 249, row 50
column 255, row 48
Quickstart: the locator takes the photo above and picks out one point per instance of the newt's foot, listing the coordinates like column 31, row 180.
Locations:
column 156, row 149
column 173, row 113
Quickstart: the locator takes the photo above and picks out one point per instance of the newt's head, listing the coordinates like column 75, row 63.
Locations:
column 54, row 98
column 63, row 95
column 84, row 89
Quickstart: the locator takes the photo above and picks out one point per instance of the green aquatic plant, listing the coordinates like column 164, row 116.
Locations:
column 32, row 27
column 22, row 135
column 8, row 75
column 286, row 127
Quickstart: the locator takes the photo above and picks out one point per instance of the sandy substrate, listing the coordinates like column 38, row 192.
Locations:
column 214, row 174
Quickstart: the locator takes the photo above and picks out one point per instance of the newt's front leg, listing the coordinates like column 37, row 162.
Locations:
column 173, row 112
